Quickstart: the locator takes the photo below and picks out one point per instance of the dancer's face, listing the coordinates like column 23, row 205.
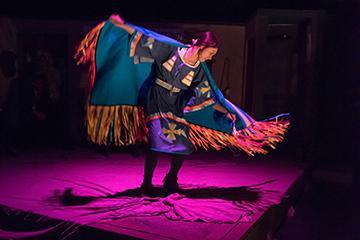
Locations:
column 207, row 53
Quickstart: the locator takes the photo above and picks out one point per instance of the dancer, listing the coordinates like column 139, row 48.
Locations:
column 151, row 88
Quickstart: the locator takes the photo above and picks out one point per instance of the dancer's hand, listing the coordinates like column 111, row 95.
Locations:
column 231, row 116
column 116, row 19
column 119, row 22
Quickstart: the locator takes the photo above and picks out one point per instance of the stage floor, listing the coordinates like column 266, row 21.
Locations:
column 221, row 197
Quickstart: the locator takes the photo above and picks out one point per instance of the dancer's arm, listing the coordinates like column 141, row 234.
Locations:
column 144, row 46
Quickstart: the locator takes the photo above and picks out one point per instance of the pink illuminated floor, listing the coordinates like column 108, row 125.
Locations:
column 221, row 198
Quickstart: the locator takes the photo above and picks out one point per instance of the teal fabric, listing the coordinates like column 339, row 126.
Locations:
column 120, row 82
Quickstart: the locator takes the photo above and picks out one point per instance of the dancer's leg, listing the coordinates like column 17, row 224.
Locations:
column 150, row 165
column 176, row 164
column 170, row 181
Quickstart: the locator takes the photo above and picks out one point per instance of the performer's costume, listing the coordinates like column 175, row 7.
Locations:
column 143, row 91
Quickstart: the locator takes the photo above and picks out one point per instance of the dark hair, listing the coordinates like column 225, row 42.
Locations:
column 206, row 39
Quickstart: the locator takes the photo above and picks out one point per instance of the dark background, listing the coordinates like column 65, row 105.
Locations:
column 227, row 10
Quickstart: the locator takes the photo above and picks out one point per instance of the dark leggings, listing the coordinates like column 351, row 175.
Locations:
column 151, row 162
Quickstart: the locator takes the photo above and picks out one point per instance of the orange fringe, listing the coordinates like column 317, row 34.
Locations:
column 118, row 125
column 251, row 140
column 85, row 52
column 125, row 125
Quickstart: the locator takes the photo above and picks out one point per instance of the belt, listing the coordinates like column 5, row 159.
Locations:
column 167, row 86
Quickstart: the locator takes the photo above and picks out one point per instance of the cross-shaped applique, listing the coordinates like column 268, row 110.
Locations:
column 172, row 131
